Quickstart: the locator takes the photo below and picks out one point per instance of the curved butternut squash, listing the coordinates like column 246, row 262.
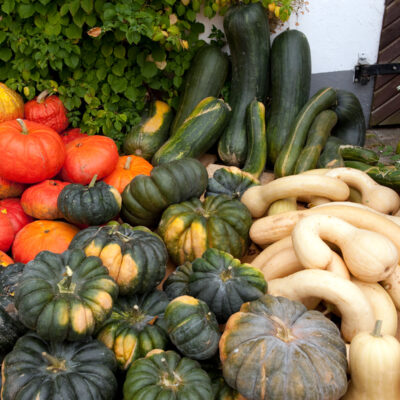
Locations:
column 392, row 285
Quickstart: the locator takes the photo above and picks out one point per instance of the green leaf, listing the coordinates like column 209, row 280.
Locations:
column 120, row 51
column 64, row 9
column 158, row 54
column 87, row 6
column 5, row 54
column 8, row 6
column 73, row 32
column 52, row 30
column 26, row 10
column 132, row 37
column 101, row 73
column 149, row 69
column 170, row 2
column 91, row 20
column 72, row 61
column 177, row 81
column 3, row 36
column 74, row 6
column 79, row 19
column 117, row 84
column 106, row 49
column 191, row 15
column 119, row 68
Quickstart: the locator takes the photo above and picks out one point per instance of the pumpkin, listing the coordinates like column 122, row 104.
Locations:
column 40, row 200
column 68, row 371
column 89, row 156
column 192, row 327
column 72, row 134
column 31, row 152
column 10, row 189
column 224, row 283
column 94, row 204
column 42, row 235
column 47, row 110
column 135, row 327
column 190, row 228
column 6, row 232
column 135, row 257
column 11, row 104
column 166, row 375
column 146, row 197
column 221, row 390
column 12, row 208
column 65, row 296
column 5, row 259
column 177, row 283
column 274, row 348
column 127, row 168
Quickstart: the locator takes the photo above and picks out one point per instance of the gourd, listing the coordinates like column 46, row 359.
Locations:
column 5, row 259
column 7, row 233
column 392, row 286
column 11, row 104
column 71, row 134
column 12, row 208
column 177, row 284
column 10, row 189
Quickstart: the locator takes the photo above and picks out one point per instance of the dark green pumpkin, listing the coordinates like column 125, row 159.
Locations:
column 177, row 284
column 94, row 204
column 37, row 369
column 136, row 258
column 64, row 296
column 165, row 375
column 190, row 228
column 192, row 327
column 231, row 181
column 221, row 390
column 146, row 197
column 135, row 327
column 224, row 283
column 274, row 348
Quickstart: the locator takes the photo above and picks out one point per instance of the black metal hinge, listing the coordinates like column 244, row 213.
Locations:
column 363, row 72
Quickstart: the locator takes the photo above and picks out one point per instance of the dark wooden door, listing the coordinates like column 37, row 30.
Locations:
column 385, row 108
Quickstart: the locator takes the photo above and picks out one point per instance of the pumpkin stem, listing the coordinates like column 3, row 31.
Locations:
column 66, row 285
column 23, row 126
column 377, row 329
column 42, row 96
column 55, row 364
column 93, row 181
column 128, row 163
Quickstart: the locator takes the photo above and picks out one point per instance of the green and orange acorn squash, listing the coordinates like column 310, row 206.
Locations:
column 177, row 283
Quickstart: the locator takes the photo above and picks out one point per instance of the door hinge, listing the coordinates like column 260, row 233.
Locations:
column 363, row 72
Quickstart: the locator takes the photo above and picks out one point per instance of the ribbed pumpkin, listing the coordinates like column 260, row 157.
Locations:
column 6, row 233
column 94, row 204
column 47, row 110
column 30, row 152
column 12, row 208
column 11, row 104
column 177, row 284
column 135, row 327
column 65, row 296
column 42, row 235
column 190, row 228
column 127, row 168
column 40, row 200
column 135, row 257
column 165, row 375
column 274, row 348
column 72, row 134
column 67, row 371
column 10, row 189
column 89, row 156
column 5, row 259
column 224, row 283
column 221, row 390
column 192, row 327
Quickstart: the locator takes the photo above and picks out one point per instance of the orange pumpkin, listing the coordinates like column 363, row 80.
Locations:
column 11, row 104
column 12, row 208
column 5, row 259
column 6, row 232
column 42, row 235
column 127, row 168
column 10, row 189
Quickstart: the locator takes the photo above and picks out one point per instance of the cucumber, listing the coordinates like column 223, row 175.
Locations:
column 205, row 78
column 197, row 134
column 257, row 140
column 247, row 32
column 358, row 153
column 148, row 136
column 322, row 100
column 316, row 140
column 331, row 157
column 290, row 86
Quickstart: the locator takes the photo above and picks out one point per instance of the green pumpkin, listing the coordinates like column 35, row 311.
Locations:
column 190, row 228
column 146, row 197
column 136, row 258
column 177, row 284
column 192, row 327
column 274, row 348
column 94, row 204
column 37, row 369
column 135, row 327
column 231, row 181
column 165, row 375
column 224, row 283
column 64, row 296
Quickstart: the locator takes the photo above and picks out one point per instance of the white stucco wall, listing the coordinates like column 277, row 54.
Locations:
column 339, row 31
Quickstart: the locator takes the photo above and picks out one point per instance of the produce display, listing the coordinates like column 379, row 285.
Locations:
column 239, row 243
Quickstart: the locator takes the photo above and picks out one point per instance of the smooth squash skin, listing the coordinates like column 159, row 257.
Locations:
column 290, row 86
column 331, row 156
column 247, row 32
column 357, row 153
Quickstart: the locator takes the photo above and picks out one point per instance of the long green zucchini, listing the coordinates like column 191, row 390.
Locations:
column 290, row 86
column 257, row 141
column 358, row 153
column 197, row 134
column 316, row 140
column 322, row 100
column 247, row 32
column 205, row 78
column 330, row 156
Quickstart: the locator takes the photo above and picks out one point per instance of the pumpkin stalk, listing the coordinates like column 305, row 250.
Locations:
column 93, row 181
column 55, row 363
column 23, row 126
column 42, row 96
column 377, row 329
column 66, row 285
column 128, row 163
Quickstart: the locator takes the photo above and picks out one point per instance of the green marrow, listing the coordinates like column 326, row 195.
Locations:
column 358, row 153
column 197, row 134
column 247, row 32
column 257, row 140
column 148, row 136
column 316, row 139
column 290, row 86
column 322, row 100
column 331, row 157
column 205, row 78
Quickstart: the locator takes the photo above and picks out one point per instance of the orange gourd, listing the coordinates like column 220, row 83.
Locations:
column 11, row 104
column 5, row 259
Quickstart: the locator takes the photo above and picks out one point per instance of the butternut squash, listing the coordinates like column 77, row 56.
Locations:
column 392, row 285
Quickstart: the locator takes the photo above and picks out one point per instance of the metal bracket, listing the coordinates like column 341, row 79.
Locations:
column 363, row 72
